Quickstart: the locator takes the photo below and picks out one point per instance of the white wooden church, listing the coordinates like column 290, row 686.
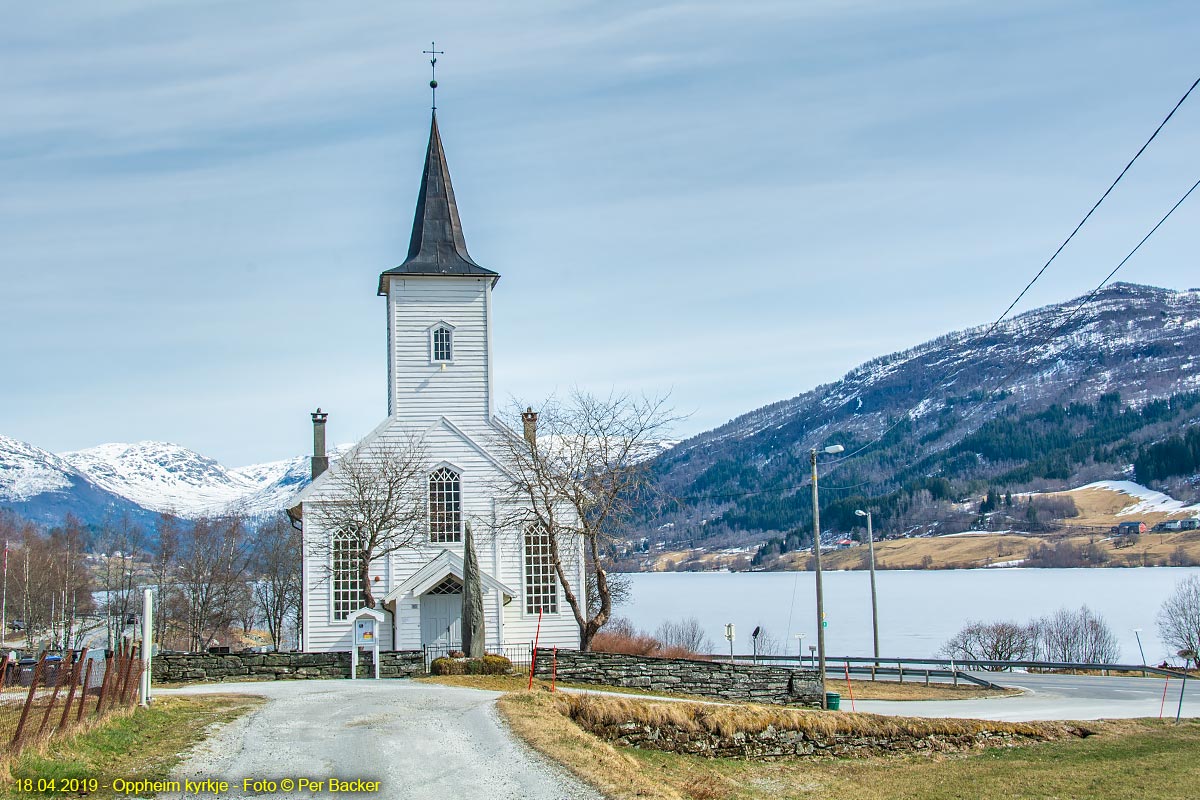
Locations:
column 439, row 371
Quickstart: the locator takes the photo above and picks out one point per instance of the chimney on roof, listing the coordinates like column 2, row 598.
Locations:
column 529, row 417
column 320, row 461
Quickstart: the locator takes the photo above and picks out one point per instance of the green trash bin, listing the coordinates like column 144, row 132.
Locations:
column 833, row 701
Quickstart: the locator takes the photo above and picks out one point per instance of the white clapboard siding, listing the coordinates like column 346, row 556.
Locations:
column 420, row 388
column 449, row 408
column 500, row 552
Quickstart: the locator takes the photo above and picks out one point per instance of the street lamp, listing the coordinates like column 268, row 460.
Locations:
column 831, row 450
column 874, row 599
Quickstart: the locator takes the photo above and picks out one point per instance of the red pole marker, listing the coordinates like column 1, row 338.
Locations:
column 1163, row 704
column 533, row 660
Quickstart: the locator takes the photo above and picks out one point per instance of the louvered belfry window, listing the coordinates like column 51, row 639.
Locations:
column 445, row 506
column 443, row 344
column 541, row 582
column 347, row 593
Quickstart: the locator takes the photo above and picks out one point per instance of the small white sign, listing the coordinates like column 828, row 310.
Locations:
column 364, row 632
column 729, row 631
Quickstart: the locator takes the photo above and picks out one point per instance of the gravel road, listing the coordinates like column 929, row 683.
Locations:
column 418, row 740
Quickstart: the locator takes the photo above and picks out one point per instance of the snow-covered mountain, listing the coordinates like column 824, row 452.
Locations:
column 1056, row 397
column 143, row 479
column 44, row 487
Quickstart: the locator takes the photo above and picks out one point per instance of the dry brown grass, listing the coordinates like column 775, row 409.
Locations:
column 1137, row 759
column 534, row 716
column 726, row 720
column 912, row 690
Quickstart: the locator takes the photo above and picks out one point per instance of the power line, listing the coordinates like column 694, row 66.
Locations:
column 833, row 464
column 1082, row 303
column 991, row 328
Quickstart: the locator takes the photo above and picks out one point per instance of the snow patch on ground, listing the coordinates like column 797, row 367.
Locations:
column 1149, row 501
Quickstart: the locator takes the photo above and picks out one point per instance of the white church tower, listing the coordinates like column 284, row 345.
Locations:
column 439, row 317
column 439, row 304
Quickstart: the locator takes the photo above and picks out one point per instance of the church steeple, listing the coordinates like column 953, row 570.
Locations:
column 437, row 246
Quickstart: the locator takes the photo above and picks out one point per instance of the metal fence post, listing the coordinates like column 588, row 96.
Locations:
column 104, row 682
column 87, row 679
column 33, row 682
column 58, row 682
column 62, row 723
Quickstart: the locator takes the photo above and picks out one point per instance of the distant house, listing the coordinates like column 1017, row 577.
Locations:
column 1131, row 528
column 842, row 544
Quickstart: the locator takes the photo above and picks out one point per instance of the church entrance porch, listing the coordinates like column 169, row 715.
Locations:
column 441, row 615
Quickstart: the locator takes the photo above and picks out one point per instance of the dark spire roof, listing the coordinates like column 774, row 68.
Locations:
column 437, row 246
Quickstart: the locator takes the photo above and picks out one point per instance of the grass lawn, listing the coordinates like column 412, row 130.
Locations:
column 1125, row 759
column 142, row 745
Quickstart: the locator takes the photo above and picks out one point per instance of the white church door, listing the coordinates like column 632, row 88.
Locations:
column 441, row 615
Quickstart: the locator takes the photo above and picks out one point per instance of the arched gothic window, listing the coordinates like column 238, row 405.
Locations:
column 541, row 581
column 445, row 506
column 441, row 344
column 347, row 593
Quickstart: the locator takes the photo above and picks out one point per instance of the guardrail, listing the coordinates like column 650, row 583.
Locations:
column 976, row 664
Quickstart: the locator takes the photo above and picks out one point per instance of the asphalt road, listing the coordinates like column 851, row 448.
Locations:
column 421, row 741
column 1055, row 697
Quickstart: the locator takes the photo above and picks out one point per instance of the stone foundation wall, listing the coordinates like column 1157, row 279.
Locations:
column 282, row 666
column 716, row 679
column 774, row 743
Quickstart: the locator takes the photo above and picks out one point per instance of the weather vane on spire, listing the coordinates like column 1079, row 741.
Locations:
column 433, row 53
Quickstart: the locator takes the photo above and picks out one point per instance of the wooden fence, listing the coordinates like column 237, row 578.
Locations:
column 50, row 697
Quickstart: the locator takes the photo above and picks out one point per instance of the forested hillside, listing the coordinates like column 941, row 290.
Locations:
column 1054, row 398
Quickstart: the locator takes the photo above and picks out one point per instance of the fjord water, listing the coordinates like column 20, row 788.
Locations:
column 918, row 609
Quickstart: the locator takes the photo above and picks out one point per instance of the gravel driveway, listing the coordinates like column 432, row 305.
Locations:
column 418, row 740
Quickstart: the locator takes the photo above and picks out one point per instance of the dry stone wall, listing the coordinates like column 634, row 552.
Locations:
column 174, row 668
column 773, row 743
column 716, row 679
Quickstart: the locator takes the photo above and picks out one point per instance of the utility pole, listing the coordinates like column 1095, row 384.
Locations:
column 874, row 598
column 831, row 449
column 4, row 597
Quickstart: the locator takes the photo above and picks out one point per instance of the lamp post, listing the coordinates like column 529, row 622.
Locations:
column 874, row 599
column 831, row 450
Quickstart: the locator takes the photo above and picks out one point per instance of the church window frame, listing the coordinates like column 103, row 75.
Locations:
column 445, row 507
column 540, row 579
column 441, row 343
column 345, row 589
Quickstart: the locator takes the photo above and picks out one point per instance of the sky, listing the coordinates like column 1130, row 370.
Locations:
column 727, row 202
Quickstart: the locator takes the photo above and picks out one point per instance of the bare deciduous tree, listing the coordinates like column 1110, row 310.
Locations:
column 277, row 575
column 1179, row 618
column 992, row 641
column 581, row 478
column 1080, row 637
column 381, row 493
column 209, row 579
column 122, row 544
column 685, row 635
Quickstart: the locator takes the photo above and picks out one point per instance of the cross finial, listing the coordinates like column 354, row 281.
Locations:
column 433, row 53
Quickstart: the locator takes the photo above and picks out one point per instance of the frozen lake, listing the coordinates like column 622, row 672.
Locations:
column 918, row 610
